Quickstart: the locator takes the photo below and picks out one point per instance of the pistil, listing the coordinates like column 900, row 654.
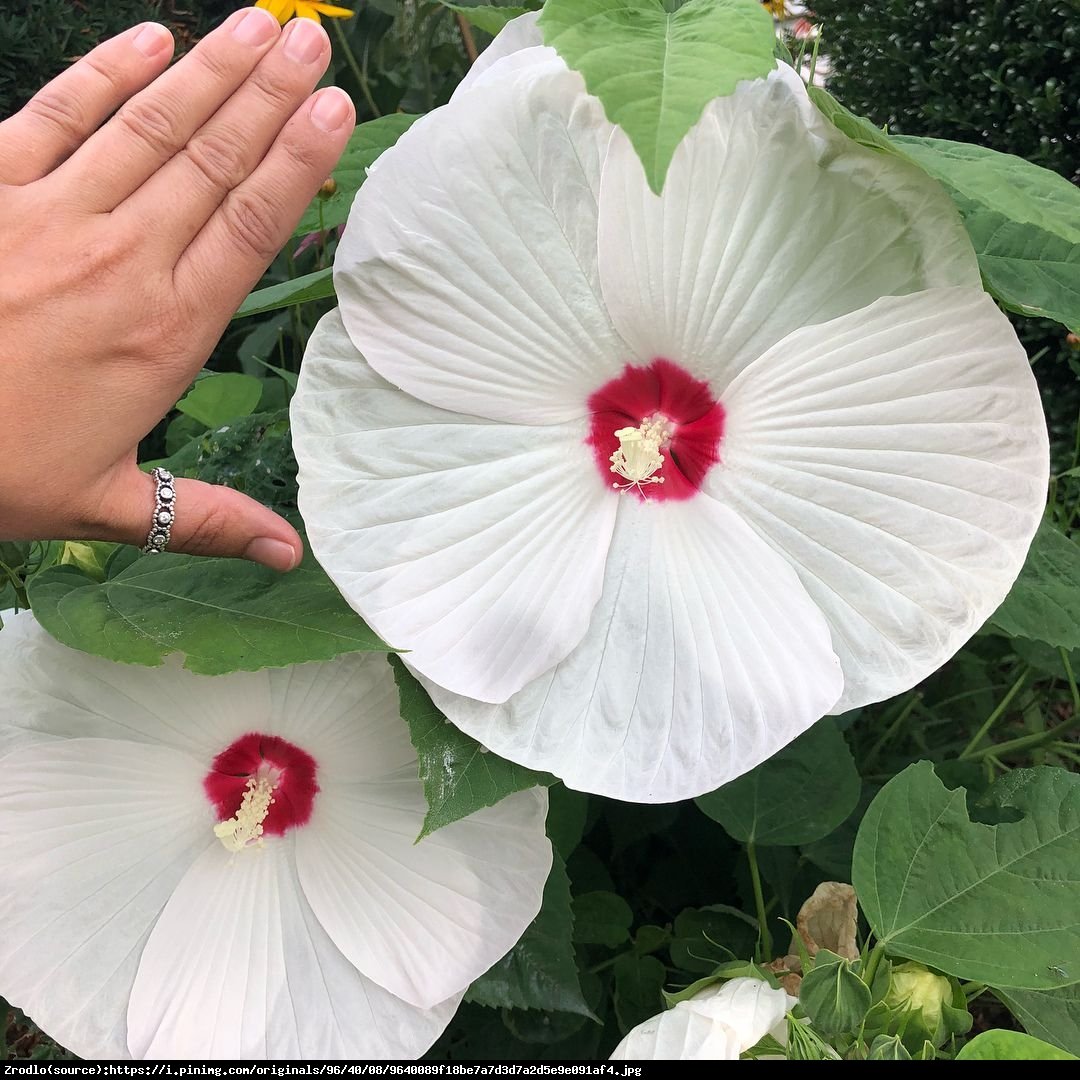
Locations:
column 245, row 829
column 638, row 458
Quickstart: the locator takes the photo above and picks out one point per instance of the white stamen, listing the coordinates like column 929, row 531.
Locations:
column 246, row 829
column 638, row 456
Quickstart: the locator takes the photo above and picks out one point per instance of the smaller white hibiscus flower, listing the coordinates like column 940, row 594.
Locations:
column 718, row 1024
column 227, row 868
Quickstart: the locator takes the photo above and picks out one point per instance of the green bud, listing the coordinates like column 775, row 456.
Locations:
column 916, row 989
column 926, row 1007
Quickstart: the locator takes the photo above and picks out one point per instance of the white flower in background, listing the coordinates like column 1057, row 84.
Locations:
column 718, row 1024
column 647, row 485
column 131, row 929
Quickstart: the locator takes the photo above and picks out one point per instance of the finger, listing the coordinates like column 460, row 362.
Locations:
column 157, row 123
column 66, row 112
column 249, row 228
column 210, row 520
column 225, row 151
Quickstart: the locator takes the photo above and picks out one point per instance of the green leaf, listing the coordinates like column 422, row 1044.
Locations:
column 1001, row 1045
column 655, row 69
column 253, row 454
column 539, row 972
column 855, row 127
column 1044, row 604
column 1052, row 1015
column 709, row 936
column 834, row 997
column 365, row 145
column 602, row 918
column 567, row 811
column 734, row 969
column 491, row 18
column 650, row 938
column 1023, row 221
column 222, row 614
column 639, row 985
column 301, row 290
column 988, row 903
column 458, row 774
column 887, row 1048
column 799, row 795
column 217, row 399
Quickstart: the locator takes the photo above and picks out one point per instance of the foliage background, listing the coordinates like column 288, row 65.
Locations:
column 655, row 896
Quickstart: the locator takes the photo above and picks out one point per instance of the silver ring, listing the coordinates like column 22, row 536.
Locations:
column 161, row 524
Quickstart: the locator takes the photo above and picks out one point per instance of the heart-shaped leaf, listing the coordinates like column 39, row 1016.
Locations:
column 989, row 903
column 655, row 69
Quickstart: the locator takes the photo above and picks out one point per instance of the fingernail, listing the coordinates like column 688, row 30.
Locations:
column 151, row 39
column 273, row 553
column 330, row 109
column 256, row 27
column 305, row 41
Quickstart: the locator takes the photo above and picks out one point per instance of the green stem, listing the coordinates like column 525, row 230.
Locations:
column 296, row 319
column 891, row 730
column 992, row 719
column 764, row 937
column 1066, row 750
column 1072, row 680
column 354, row 67
column 1028, row 742
column 873, row 962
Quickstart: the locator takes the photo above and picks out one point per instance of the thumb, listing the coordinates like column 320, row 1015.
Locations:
column 214, row 520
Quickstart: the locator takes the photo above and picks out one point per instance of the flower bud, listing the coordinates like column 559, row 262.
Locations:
column 915, row 989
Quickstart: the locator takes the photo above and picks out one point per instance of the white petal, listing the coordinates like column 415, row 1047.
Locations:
column 478, row 546
column 51, row 689
column 345, row 714
column 19, row 626
column 750, row 1007
column 769, row 220
column 679, row 1035
column 897, row 457
column 238, row 967
column 422, row 919
column 518, row 34
column 717, row 1024
column 468, row 270
column 704, row 657
column 94, row 836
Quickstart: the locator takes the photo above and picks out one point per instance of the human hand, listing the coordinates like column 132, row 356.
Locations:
column 128, row 245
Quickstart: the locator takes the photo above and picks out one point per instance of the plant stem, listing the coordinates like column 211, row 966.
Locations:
column 467, row 38
column 1067, row 750
column 999, row 711
column 1028, row 742
column 891, row 730
column 873, row 961
column 764, row 937
column 354, row 67
column 1072, row 680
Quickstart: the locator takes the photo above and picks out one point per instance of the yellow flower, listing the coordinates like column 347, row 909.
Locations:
column 284, row 10
column 777, row 8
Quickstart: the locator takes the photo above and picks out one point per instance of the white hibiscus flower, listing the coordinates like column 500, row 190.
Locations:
column 226, row 868
column 647, row 485
column 717, row 1024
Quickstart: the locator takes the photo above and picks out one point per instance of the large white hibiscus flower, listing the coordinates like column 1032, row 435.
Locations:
column 226, row 868
column 646, row 485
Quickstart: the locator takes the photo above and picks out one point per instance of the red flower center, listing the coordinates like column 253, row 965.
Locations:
column 659, row 398
column 255, row 758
